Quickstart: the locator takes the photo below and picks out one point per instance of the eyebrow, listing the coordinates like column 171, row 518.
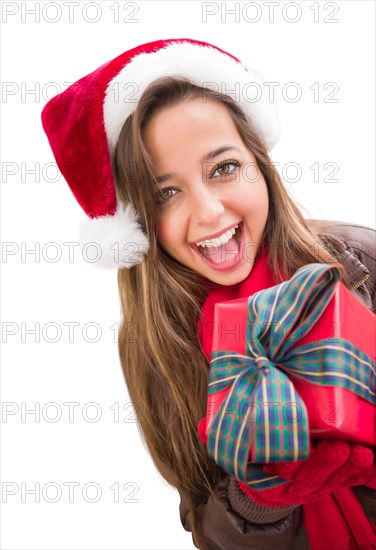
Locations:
column 209, row 156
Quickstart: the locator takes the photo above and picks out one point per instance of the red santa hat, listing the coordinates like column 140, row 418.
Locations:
column 84, row 122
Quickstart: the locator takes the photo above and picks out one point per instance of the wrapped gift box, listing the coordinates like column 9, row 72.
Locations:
column 333, row 412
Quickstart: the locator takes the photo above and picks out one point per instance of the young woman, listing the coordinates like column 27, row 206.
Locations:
column 183, row 198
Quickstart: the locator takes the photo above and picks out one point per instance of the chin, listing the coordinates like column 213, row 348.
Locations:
column 230, row 278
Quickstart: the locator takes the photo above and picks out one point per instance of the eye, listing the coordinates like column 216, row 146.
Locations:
column 226, row 164
column 162, row 195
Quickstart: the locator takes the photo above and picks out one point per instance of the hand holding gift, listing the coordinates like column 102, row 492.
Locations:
column 332, row 465
column 298, row 367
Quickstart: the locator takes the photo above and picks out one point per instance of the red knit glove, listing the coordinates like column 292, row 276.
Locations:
column 332, row 464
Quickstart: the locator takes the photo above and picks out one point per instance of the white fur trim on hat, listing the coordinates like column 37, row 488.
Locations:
column 118, row 239
column 206, row 67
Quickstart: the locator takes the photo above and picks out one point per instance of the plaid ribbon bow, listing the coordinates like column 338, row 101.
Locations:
column 257, row 380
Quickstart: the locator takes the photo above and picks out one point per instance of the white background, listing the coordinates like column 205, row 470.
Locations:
column 37, row 291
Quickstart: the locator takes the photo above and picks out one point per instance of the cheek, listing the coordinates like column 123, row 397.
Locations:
column 263, row 198
column 254, row 199
column 167, row 233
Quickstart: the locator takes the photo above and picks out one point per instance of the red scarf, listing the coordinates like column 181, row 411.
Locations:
column 339, row 521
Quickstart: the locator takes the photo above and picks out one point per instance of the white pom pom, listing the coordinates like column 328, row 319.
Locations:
column 114, row 242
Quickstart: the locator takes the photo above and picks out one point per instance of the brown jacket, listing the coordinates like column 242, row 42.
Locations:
column 232, row 521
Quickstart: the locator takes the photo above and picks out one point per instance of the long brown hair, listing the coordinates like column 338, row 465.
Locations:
column 165, row 369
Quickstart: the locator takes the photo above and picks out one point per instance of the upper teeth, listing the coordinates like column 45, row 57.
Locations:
column 222, row 239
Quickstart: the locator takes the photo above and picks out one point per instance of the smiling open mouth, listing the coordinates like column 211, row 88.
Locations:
column 230, row 246
column 225, row 256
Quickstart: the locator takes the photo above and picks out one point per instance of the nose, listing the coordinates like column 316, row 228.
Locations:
column 206, row 205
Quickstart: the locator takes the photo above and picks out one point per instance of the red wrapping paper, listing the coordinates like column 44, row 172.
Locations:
column 333, row 412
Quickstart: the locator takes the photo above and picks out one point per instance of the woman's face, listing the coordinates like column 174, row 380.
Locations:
column 203, row 198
